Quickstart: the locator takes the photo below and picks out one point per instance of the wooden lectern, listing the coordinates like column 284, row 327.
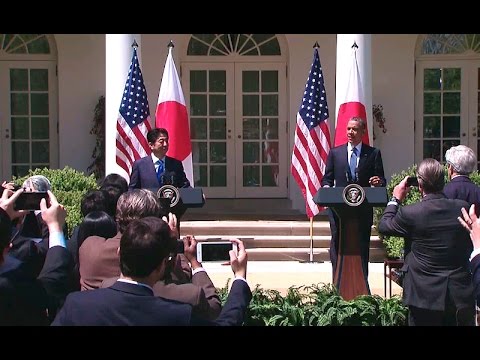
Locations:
column 348, row 203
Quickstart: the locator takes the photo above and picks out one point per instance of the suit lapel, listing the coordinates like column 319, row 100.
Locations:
column 366, row 150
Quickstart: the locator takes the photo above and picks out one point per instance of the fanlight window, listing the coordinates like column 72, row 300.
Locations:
column 24, row 44
column 450, row 44
column 233, row 44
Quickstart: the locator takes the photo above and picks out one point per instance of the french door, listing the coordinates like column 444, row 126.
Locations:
column 447, row 108
column 238, row 128
column 28, row 117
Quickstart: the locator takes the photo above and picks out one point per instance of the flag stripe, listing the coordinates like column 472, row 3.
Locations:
column 312, row 138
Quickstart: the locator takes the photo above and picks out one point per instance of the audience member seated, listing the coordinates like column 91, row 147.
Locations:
column 27, row 299
column 145, row 248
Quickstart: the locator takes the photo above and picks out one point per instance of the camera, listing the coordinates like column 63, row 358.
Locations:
column 30, row 200
column 215, row 250
column 412, row 181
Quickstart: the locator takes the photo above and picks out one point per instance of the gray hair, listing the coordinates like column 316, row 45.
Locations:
column 431, row 175
column 136, row 204
column 462, row 159
column 38, row 183
column 361, row 121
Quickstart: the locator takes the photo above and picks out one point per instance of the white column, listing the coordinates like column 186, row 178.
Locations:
column 364, row 60
column 118, row 49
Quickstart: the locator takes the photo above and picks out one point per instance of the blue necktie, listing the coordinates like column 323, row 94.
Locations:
column 353, row 164
column 160, row 171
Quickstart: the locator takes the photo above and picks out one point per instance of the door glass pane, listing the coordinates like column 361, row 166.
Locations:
column 452, row 79
column 270, row 128
column 198, row 81
column 270, row 175
column 198, row 105
column 217, row 81
column 269, row 81
column 200, row 173
column 19, row 128
column 20, row 152
column 432, row 79
column 451, row 103
column 218, row 152
column 251, row 176
column 218, row 105
column 270, row 152
column 250, row 81
column 20, row 170
column 431, row 149
column 18, row 79
column 251, row 105
column 251, row 129
column 431, row 103
column 198, row 128
column 40, row 152
column 218, row 128
column 19, row 104
column 270, row 105
column 218, row 175
column 451, row 126
column 39, row 104
column 251, row 153
column 39, row 79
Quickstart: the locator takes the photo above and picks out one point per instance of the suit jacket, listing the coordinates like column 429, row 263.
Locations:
column 461, row 187
column 437, row 262
column 143, row 174
column 31, row 300
column 475, row 268
column 200, row 293
column 132, row 304
column 98, row 260
column 370, row 164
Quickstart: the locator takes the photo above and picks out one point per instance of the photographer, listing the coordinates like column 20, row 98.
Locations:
column 437, row 287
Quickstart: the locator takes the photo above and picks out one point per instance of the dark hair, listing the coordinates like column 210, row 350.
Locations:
column 143, row 246
column 112, row 194
column 93, row 200
column 115, row 180
column 97, row 223
column 155, row 133
column 431, row 175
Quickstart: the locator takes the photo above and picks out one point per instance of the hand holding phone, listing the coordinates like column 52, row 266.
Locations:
column 215, row 250
column 30, row 200
column 412, row 181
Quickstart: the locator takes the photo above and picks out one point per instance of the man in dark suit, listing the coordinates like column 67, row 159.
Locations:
column 461, row 162
column 437, row 285
column 363, row 166
column 145, row 249
column 27, row 299
column 158, row 169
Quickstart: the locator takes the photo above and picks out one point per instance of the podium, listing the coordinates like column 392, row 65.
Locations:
column 179, row 199
column 348, row 203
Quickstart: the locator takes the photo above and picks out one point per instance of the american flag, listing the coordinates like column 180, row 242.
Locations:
column 133, row 122
column 312, row 137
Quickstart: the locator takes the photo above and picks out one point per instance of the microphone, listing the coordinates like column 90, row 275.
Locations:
column 348, row 175
column 356, row 175
column 172, row 178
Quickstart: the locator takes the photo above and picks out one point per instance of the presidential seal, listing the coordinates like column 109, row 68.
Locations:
column 353, row 195
column 171, row 192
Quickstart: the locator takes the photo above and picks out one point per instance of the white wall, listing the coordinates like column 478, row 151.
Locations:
column 81, row 80
column 393, row 76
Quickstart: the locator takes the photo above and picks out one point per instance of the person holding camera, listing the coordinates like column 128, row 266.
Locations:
column 437, row 284
column 27, row 299
column 145, row 249
column 461, row 162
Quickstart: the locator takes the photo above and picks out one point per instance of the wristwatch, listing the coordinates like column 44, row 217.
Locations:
column 394, row 200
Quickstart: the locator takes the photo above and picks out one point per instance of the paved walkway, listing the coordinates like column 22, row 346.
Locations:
column 280, row 275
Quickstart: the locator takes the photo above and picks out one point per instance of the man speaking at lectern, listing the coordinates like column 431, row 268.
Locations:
column 158, row 169
column 353, row 162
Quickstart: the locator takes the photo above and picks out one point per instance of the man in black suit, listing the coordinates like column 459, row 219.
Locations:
column 158, row 169
column 461, row 162
column 437, row 286
column 145, row 249
column 27, row 299
column 366, row 170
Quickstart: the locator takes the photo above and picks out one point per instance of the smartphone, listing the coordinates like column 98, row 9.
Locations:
column 30, row 200
column 412, row 181
column 215, row 250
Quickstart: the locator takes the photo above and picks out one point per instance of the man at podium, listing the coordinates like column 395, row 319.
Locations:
column 158, row 169
column 353, row 162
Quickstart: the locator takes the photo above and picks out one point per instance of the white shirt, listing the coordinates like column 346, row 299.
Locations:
column 156, row 164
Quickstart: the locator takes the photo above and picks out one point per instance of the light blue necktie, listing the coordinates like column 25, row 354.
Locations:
column 353, row 164
column 160, row 171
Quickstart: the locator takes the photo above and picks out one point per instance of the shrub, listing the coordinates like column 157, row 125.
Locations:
column 69, row 186
column 319, row 305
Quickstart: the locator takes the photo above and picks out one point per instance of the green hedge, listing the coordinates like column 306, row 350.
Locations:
column 393, row 244
column 69, row 186
column 320, row 305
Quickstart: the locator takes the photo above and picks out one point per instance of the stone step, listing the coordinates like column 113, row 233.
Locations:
column 377, row 255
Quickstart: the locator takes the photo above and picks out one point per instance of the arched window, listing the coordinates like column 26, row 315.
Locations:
column 226, row 44
column 24, row 44
column 434, row 44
